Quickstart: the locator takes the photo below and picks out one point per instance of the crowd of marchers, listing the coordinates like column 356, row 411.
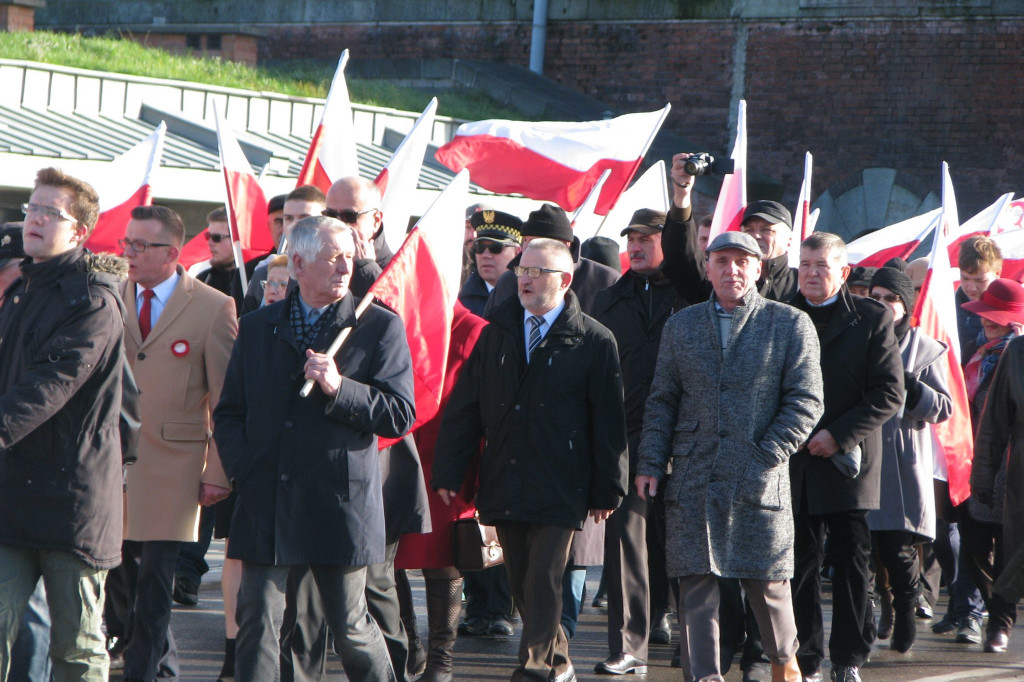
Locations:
column 719, row 430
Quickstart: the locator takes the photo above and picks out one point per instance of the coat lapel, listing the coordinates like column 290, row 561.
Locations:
column 179, row 300
column 131, row 323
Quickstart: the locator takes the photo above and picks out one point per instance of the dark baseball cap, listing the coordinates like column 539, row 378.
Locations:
column 645, row 221
column 735, row 240
column 772, row 211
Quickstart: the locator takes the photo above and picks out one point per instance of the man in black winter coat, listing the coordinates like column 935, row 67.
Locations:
column 542, row 389
column 836, row 476
column 61, row 374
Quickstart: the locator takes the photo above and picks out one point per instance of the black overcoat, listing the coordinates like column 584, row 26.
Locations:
column 306, row 470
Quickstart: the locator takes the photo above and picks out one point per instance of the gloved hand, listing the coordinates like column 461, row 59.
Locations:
column 913, row 386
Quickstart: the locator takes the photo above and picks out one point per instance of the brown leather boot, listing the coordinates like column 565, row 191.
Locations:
column 786, row 672
column 443, row 607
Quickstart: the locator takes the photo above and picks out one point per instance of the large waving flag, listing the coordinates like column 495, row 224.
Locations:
column 421, row 284
column 935, row 315
column 332, row 152
column 246, row 207
column 803, row 223
column 1011, row 245
column 897, row 240
column 989, row 221
column 398, row 179
column 732, row 198
column 125, row 184
column 554, row 161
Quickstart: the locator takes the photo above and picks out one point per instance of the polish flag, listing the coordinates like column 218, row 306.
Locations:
column 584, row 221
column 398, row 179
column 1011, row 245
column 125, row 184
column 802, row 221
column 732, row 198
column 421, row 284
column 332, row 152
column 554, row 161
column 900, row 239
column 246, row 206
column 990, row 221
column 935, row 315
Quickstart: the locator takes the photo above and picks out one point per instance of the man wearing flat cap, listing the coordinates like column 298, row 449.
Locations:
column 635, row 309
column 588, row 277
column 497, row 236
column 768, row 222
column 737, row 389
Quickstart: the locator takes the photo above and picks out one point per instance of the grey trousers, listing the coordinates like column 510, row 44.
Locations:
column 260, row 612
column 699, row 597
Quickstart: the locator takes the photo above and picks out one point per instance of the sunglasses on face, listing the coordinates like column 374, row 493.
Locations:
column 216, row 238
column 348, row 216
column 493, row 247
column 888, row 298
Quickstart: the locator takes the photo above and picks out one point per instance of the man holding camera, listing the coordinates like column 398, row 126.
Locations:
column 768, row 222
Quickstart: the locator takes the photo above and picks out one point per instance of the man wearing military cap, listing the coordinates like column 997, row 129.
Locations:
column 497, row 239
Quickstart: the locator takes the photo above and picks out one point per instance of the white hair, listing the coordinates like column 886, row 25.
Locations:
column 307, row 238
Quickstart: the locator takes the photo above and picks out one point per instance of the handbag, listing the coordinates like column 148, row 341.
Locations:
column 476, row 545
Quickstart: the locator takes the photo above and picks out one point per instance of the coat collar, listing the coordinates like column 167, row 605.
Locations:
column 176, row 305
column 845, row 314
column 509, row 315
column 752, row 302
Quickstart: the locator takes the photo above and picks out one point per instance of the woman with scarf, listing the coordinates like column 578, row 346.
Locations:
column 1001, row 309
column 906, row 515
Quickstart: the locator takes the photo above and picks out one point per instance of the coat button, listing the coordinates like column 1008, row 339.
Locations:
column 512, row 461
column 284, row 478
column 508, row 512
column 723, row 434
column 287, row 425
column 141, row 356
column 517, row 407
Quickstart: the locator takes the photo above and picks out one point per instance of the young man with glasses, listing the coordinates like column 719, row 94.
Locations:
column 542, row 390
column 222, row 274
column 498, row 236
column 61, row 372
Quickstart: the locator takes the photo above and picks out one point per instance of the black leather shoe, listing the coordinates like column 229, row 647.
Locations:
column 996, row 642
column 474, row 626
column 621, row 665
column 661, row 631
column 500, row 627
column 186, row 591
column 845, row 673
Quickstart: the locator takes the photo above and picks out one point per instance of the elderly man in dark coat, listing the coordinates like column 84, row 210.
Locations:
column 542, row 389
column 737, row 389
column 306, row 470
column 836, row 477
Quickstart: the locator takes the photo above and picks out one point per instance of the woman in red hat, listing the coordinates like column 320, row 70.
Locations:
column 1001, row 309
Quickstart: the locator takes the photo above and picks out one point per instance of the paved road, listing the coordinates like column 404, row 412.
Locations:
column 199, row 632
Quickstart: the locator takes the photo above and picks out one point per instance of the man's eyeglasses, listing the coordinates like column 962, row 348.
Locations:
column 533, row 273
column 274, row 285
column 349, row 216
column 493, row 247
column 216, row 238
column 888, row 298
column 48, row 211
column 137, row 245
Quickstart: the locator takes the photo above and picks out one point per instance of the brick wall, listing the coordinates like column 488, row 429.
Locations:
column 16, row 18
column 905, row 94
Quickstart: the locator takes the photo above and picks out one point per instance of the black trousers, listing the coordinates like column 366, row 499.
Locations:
column 149, row 569
column 192, row 557
column 986, row 556
column 487, row 593
column 626, row 575
column 853, row 628
column 897, row 552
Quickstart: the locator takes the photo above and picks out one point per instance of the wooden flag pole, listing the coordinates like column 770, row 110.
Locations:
column 307, row 387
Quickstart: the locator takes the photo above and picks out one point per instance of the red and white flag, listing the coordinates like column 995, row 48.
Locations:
column 732, row 198
column 421, row 284
column 990, row 221
column 332, row 151
column 398, row 179
column 554, row 161
column 897, row 240
column 1011, row 245
column 246, row 206
column 803, row 225
column 935, row 315
column 125, row 184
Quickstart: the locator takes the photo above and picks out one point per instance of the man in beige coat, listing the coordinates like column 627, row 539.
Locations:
column 178, row 337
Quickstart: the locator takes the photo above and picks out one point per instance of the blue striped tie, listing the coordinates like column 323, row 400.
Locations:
column 534, row 335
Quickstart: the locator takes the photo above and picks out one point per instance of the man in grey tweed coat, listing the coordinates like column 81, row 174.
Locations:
column 737, row 390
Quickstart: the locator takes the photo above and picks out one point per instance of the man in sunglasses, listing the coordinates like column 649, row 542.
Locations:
column 61, row 387
column 498, row 236
column 222, row 274
column 355, row 201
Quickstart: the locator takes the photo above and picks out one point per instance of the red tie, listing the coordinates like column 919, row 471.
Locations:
column 146, row 313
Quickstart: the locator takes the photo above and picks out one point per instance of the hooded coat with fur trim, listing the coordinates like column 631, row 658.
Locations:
column 61, row 374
